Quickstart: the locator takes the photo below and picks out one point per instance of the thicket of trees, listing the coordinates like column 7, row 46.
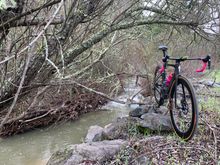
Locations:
column 55, row 40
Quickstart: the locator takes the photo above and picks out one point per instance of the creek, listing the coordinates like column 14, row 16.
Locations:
column 36, row 147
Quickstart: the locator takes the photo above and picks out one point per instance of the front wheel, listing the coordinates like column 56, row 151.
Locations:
column 183, row 108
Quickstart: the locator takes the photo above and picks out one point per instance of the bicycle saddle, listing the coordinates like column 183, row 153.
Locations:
column 163, row 48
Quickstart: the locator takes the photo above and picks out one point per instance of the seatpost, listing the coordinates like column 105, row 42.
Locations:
column 164, row 53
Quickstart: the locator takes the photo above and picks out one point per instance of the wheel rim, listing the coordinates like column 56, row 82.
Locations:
column 182, row 110
column 157, row 87
column 157, row 92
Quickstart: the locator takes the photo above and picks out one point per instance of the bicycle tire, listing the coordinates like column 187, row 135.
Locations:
column 157, row 81
column 189, row 133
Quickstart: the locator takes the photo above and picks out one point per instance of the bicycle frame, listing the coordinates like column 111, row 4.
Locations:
column 165, row 93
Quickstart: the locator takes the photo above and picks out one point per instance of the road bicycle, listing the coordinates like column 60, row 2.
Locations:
column 179, row 93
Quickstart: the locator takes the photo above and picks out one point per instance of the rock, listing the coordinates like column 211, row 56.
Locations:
column 133, row 106
column 216, row 85
column 119, row 128
column 95, row 133
column 156, row 122
column 60, row 157
column 115, row 130
column 162, row 110
column 109, row 130
column 76, row 158
column 138, row 112
column 210, row 83
column 152, row 109
column 95, row 152
column 198, row 87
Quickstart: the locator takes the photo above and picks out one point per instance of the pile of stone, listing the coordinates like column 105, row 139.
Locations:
column 102, row 144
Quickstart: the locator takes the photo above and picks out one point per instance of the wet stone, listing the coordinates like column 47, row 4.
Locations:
column 96, row 152
column 95, row 133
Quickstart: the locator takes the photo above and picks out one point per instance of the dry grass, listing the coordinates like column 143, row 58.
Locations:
column 204, row 148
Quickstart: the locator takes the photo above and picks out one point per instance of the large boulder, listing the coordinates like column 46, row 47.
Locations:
column 156, row 122
column 152, row 121
column 119, row 128
column 115, row 130
column 139, row 111
column 94, row 152
column 162, row 110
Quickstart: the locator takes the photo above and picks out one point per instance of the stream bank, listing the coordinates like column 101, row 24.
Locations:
column 124, row 142
column 36, row 147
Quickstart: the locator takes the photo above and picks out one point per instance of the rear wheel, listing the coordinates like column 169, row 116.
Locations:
column 157, row 86
column 183, row 108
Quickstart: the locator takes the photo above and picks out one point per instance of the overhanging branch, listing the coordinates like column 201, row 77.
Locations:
column 73, row 53
column 36, row 22
column 8, row 22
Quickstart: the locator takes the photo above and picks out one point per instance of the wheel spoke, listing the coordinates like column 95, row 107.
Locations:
column 183, row 108
column 157, row 86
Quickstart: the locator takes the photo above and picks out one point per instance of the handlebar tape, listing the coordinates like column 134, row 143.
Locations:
column 203, row 67
column 205, row 61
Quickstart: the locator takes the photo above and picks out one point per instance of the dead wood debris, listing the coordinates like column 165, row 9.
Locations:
column 44, row 116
